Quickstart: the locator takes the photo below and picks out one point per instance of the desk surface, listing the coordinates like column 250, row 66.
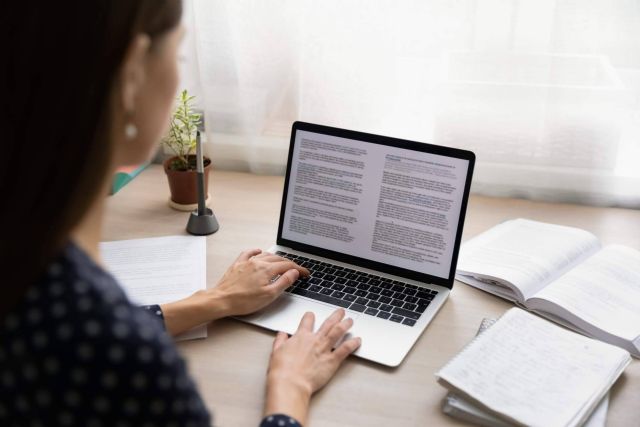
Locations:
column 230, row 365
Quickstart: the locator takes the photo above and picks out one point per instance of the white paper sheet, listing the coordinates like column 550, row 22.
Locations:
column 159, row 270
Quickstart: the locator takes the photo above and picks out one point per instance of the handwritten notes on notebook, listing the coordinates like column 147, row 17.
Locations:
column 530, row 371
column 159, row 270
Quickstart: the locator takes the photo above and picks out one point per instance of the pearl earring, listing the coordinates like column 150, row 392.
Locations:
column 130, row 130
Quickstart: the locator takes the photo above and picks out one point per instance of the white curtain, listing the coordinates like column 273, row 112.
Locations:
column 545, row 92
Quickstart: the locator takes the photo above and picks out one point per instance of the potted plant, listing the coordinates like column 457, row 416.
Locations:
column 181, row 168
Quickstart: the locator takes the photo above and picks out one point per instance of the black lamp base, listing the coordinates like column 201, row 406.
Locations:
column 202, row 225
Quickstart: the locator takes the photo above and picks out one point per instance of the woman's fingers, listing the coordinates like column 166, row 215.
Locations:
column 346, row 348
column 281, row 338
column 330, row 321
column 306, row 323
column 266, row 256
column 245, row 255
column 282, row 266
column 338, row 330
column 285, row 280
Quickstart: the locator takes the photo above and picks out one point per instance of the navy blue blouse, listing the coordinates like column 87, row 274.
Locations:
column 76, row 352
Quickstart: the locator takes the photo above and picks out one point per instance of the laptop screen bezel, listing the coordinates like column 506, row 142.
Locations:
column 391, row 142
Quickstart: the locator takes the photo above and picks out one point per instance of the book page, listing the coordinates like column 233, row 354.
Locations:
column 603, row 291
column 387, row 204
column 159, row 270
column 533, row 372
column 527, row 254
column 493, row 286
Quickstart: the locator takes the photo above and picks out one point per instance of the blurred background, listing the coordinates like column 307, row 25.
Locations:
column 545, row 92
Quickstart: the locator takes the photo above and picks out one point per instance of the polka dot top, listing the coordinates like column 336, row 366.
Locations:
column 76, row 352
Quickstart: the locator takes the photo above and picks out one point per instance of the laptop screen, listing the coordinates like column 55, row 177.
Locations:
column 374, row 199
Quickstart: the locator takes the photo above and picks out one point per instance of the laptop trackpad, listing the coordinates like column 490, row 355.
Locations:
column 286, row 312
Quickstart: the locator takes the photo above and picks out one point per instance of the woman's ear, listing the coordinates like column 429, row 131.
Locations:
column 133, row 71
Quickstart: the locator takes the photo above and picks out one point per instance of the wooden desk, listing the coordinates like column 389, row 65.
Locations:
column 229, row 366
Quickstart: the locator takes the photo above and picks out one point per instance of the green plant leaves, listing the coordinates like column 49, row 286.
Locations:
column 181, row 138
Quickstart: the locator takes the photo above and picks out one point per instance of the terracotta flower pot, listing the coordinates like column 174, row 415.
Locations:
column 183, row 184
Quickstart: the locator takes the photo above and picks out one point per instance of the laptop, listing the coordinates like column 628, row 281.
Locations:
column 378, row 221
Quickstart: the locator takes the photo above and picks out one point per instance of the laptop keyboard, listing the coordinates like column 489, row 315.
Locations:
column 363, row 292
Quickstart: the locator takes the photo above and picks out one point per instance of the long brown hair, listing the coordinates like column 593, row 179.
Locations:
column 59, row 66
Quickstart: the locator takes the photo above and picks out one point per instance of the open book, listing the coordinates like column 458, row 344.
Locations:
column 525, row 370
column 561, row 273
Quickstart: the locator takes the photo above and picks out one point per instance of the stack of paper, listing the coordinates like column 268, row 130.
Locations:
column 159, row 270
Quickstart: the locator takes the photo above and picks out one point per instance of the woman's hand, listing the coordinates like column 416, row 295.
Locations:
column 304, row 363
column 247, row 286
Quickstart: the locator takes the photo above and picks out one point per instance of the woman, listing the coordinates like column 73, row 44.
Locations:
column 90, row 85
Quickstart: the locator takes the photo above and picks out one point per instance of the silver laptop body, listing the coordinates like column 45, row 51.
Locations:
column 378, row 222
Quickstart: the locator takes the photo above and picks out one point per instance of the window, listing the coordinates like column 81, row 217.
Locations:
column 545, row 92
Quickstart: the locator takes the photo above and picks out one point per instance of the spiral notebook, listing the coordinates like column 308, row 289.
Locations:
column 525, row 370
column 458, row 407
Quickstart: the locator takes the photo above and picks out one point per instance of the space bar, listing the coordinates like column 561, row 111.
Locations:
column 321, row 297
